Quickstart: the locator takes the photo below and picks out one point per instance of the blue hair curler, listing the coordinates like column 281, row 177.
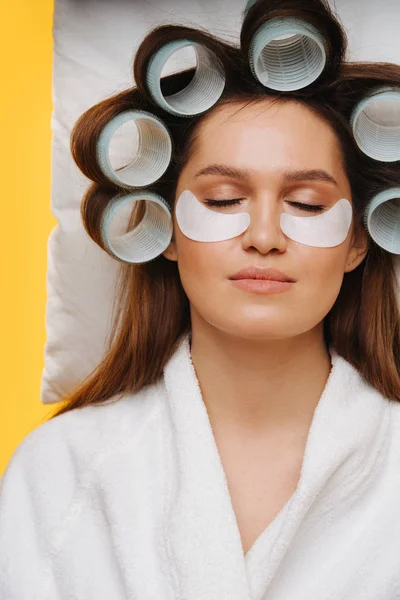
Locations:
column 153, row 154
column 148, row 239
column 375, row 122
column 382, row 219
column 287, row 53
column 200, row 94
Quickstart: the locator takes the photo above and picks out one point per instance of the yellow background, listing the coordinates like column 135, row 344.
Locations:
column 26, row 108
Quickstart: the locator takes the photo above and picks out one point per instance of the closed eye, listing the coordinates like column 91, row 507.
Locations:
column 231, row 202
column 235, row 201
column 308, row 207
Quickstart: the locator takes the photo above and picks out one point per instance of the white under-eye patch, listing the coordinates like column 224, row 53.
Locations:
column 326, row 230
column 200, row 223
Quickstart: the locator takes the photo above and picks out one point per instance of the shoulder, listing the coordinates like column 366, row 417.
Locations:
column 83, row 435
column 55, row 459
column 49, row 473
column 378, row 415
column 383, row 416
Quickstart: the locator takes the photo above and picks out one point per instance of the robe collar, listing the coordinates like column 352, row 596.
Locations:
column 202, row 531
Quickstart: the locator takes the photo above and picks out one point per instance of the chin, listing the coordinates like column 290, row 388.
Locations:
column 255, row 329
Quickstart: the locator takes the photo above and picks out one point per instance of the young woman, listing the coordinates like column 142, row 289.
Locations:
column 241, row 438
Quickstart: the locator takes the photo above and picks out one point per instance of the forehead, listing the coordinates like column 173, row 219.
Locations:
column 267, row 135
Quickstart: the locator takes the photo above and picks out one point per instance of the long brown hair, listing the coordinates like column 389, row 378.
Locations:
column 151, row 309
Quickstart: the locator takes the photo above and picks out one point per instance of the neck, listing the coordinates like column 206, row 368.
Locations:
column 257, row 386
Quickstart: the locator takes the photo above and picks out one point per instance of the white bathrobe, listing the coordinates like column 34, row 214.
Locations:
column 129, row 500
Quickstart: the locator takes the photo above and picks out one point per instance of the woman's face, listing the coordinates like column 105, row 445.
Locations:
column 265, row 143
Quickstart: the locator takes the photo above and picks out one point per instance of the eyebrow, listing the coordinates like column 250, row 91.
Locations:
column 244, row 175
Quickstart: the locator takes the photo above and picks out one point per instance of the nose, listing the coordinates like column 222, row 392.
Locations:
column 264, row 232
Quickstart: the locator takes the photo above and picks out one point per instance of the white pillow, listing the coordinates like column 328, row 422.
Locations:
column 94, row 46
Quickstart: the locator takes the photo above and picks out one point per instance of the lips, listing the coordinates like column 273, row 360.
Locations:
column 262, row 273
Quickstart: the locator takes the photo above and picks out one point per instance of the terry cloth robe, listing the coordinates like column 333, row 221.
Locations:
column 129, row 500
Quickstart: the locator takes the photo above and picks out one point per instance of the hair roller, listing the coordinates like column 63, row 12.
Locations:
column 87, row 128
column 208, row 82
column 200, row 94
column 375, row 122
column 148, row 239
column 153, row 154
column 382, row 219
column 287, row 54
column 289, row 46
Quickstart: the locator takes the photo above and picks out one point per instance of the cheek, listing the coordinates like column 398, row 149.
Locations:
column 200, row 264
column 322, row 271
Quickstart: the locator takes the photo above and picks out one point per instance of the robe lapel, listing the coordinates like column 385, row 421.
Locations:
column 202, row 531
column 349, row 429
